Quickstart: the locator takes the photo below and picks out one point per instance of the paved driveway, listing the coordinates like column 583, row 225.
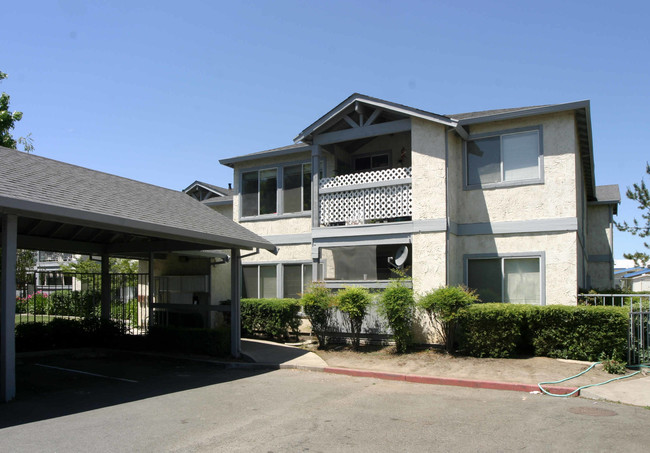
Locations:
column 151, row 404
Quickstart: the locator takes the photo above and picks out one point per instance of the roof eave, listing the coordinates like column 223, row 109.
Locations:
column 80, row 217
column 231, row 161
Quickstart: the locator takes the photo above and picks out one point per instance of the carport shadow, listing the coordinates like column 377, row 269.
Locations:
column 56, row 386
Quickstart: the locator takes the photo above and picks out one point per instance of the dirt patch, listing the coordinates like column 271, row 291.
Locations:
column 434, row 362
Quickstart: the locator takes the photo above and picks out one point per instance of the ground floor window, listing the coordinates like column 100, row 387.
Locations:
column 515, row 280
column 275, row 280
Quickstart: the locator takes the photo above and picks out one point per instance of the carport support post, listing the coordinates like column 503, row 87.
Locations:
column 8, row 308
column 106, row 288
column 235, row 311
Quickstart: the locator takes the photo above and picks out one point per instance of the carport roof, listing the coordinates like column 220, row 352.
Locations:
column 64, row 207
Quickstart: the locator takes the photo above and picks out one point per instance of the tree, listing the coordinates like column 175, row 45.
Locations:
column 7, row 119
column 640, row 194
column 88, row 266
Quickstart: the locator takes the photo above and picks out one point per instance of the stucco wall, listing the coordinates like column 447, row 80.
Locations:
column 428, row 175
column 225, row 210
column 429, row 269
column 556, row 198
column 301, row 252
column 561, row 258
column 289, row 225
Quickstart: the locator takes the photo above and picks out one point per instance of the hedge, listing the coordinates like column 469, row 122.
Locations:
column 274, row 318
column 65, row 333
column 493, row 329
column 571, row 332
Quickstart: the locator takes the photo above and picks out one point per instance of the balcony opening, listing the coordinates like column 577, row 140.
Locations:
column 364, row 264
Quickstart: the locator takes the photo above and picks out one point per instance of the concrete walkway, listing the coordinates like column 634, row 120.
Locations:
column 270, row 353
column 627, row 391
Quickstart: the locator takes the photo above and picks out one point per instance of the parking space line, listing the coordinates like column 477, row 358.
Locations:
column 85, row 372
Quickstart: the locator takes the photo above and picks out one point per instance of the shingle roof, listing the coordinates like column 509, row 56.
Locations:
column 466, row 116
column 32, row 184
column 217, row 189
column 283, row 150
column 608, row 194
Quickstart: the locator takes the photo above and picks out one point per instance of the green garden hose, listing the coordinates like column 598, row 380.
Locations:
column 587, row 386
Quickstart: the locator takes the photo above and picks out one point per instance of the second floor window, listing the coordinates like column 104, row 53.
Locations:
column 259, row 192
column 503, row 158
column 283, row 190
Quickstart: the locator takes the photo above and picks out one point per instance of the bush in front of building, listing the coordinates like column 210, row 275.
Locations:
column 443, row 306
column 580, row 333
column 397, row 305
column 494, row 330
column 272, row 318
column 353, row 302
column 318, row 304
column 570, row 332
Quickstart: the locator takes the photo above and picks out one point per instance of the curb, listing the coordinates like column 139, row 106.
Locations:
column 419, row 379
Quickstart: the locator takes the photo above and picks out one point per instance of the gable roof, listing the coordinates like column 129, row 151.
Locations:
column 457, row 121
column 217, row 190
column 305, row 135
column 35, row 187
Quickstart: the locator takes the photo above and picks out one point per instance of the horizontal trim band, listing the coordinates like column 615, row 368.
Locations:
column 288, row 239
column 516, row 227
column 600, row 258
column 367, row 185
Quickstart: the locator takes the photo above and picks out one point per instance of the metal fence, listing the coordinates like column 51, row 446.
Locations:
column 638, row 350
column 44, row 296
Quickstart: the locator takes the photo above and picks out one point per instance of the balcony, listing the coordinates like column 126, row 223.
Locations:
column 367, row 197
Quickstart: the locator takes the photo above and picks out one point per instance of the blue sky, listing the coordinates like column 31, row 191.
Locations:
column 160, row 91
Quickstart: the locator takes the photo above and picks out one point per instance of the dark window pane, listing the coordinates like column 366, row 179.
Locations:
column 268, row 191
column 485, row 276
column 362, row 163
column 484, row 161
column 380, row 161
column 268, row 282
column 249, row 282
column 306, row 187
column 249, row 193
column 292, row 280
column 292, row 188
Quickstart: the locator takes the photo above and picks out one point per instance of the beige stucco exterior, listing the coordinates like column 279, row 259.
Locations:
column 428, row 170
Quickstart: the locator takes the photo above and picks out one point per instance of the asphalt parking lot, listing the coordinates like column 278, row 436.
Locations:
column 128, row 402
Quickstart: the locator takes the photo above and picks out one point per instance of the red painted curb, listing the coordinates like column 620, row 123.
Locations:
column 494, row 385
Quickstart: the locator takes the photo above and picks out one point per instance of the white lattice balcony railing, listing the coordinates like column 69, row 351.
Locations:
column 359, row 197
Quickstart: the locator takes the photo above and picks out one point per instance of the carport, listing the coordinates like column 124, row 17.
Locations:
column 53, row 206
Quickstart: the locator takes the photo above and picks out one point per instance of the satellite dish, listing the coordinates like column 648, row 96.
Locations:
column 400, row 257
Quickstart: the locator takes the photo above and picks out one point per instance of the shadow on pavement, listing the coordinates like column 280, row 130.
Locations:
column 55, row 386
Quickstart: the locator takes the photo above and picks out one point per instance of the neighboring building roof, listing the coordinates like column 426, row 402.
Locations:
column 637, row 273
column 608, row 195
column 35, row 187
column 221, row 191
column 215, row 195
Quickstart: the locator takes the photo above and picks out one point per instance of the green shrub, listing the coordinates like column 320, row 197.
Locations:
column 398, row 306
column 353, row 303
column 581, row 333
column 65, row 333
column 443, row 305
column 212, row 342
column 493, row 329
column 612, row 364
column 318, row 302
column 275, row 318
column 572, row 332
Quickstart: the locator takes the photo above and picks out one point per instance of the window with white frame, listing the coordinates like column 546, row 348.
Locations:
column 515, row 280
column 262, row 190
column 503, row 158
